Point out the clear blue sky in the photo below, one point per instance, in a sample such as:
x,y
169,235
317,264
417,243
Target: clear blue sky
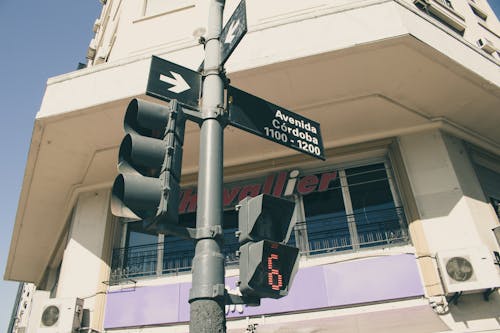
x,y
39,39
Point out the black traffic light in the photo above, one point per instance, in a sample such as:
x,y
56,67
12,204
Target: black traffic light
x,y
267,266
149,164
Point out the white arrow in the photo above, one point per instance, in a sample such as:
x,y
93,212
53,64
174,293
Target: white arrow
x,y
178,82
230,32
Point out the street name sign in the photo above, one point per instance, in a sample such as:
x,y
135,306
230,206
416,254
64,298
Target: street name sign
x,y
168,81
233,31
272,122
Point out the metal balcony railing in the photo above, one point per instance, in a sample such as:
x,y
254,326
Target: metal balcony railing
x,y
318,235
366,228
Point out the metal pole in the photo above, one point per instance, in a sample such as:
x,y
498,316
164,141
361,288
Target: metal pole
x,y
207,291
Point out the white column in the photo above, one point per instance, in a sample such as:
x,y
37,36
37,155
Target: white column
x,y
453,210
82,264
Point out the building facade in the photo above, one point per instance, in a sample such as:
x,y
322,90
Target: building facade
x,y
395,228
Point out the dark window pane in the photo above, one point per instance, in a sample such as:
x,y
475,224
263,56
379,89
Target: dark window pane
x,y
327,228
140,254
188,220
374,214
292,241
137,236
369,188
324,203
177,254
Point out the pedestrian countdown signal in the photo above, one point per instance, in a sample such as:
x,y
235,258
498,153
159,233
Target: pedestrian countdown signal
x,y
267,266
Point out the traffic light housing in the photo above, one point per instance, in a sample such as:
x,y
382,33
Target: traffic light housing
x,y
264,217
149,164
267,265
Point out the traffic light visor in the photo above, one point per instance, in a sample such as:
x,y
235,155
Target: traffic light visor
x,y
146,118
135,196
265,217
141,154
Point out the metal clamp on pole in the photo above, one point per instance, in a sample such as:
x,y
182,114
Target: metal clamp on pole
x,y
211,232
216,70
210,37
207,291
213,113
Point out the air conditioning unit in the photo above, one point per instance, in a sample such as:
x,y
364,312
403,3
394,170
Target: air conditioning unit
x,y
97,25
57,315
423,3
468,270
486,45
92,49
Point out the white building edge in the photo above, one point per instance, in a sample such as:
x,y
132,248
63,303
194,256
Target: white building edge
x,y
408,97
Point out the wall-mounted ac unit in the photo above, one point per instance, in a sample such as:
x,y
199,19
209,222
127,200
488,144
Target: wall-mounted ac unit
x,y
486,45
468,270
57,315
97,25
92,49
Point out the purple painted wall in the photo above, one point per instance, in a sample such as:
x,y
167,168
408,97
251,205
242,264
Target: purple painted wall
x,y
345,283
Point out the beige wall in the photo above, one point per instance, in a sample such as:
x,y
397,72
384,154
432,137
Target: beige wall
x,y
454,212
82,265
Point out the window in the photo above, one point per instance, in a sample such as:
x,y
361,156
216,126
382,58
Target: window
x,y
136,236
138,257
358,210
147,254
338,210
490,182
177,255
326,220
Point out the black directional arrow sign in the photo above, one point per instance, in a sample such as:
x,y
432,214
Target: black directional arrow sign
x,y
272,122
233,31
169,81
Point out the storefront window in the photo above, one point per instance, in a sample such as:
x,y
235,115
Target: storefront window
x,y
374,212
357,210
177,254
340,209
136,236
326,220
138,257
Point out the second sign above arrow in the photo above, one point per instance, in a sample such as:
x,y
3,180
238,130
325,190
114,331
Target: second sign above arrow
x,y
233,31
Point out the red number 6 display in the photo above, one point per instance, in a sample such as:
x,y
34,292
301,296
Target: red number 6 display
x,y
274,278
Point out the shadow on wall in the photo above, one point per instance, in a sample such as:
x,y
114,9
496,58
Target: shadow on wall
x,y
448,176
474,307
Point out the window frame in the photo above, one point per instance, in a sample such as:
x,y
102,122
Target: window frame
x,y
346,194
299,219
